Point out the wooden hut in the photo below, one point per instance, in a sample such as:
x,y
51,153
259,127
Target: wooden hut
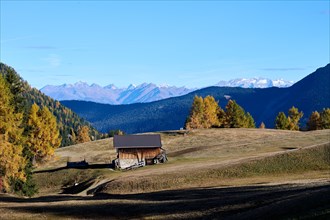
x,y
138,150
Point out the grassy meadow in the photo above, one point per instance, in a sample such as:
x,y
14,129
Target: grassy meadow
x,y
204,166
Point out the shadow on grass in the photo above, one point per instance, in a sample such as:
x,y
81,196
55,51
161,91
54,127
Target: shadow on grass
x,y
288,148
90,166
75,189
253,202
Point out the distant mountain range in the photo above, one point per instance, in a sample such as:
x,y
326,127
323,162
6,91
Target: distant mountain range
x,y
255,83
146,92
309,94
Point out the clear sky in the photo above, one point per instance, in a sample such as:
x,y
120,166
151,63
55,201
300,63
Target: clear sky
x,y
185,43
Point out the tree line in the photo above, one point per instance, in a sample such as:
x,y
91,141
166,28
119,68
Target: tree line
x,y
206,113
316,121
29,134
24,96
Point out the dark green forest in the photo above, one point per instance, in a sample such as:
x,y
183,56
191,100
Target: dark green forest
x,y
310,94
24,96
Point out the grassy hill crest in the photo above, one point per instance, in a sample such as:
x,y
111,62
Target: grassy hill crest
x,y
211,173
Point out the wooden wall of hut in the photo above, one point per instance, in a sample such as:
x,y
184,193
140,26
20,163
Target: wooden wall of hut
x,y
140,153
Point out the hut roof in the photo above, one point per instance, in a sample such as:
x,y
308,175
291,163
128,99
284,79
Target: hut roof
x,y
137,141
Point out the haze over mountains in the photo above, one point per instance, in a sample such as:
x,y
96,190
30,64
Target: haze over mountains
x,y
146,92
309,94
255,83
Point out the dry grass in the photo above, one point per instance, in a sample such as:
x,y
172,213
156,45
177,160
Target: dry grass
x,y
100,152
200,158
283,165
207,144
209,158
246,202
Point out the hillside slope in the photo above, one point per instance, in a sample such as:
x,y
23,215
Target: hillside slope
x,y
211,173
309,94
66,119
203,151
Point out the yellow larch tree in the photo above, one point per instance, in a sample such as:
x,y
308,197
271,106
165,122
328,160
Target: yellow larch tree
x,y
211,109
83,134
195,119
12,162
43,133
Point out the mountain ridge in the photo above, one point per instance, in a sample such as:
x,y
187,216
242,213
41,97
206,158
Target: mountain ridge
x,y
309,94
111,94
145,92
257,82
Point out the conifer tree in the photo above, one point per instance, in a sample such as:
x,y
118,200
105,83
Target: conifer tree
x,y
222,118
294,117
325,118
16,87
43,134
195,119
314,121
281,121
51,133
34,132
235,115
206,113
83,135
211,109
249,121
12,162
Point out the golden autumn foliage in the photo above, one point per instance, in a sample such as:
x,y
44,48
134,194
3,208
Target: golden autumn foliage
x,y
291,122
83,135
25,96
314,121
206,113
318,121
294,117
325,118
12,162
196,114
27,132
43,134
211,109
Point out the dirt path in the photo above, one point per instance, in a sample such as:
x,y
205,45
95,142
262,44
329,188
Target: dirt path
x,y
91,190
291,200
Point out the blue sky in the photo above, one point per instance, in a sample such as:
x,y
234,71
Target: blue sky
x,y
185,43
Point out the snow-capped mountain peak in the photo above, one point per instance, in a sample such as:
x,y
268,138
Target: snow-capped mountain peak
x,y
145,92
255,83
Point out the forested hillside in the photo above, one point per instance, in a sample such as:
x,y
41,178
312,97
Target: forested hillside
x,y
309,94
24,95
